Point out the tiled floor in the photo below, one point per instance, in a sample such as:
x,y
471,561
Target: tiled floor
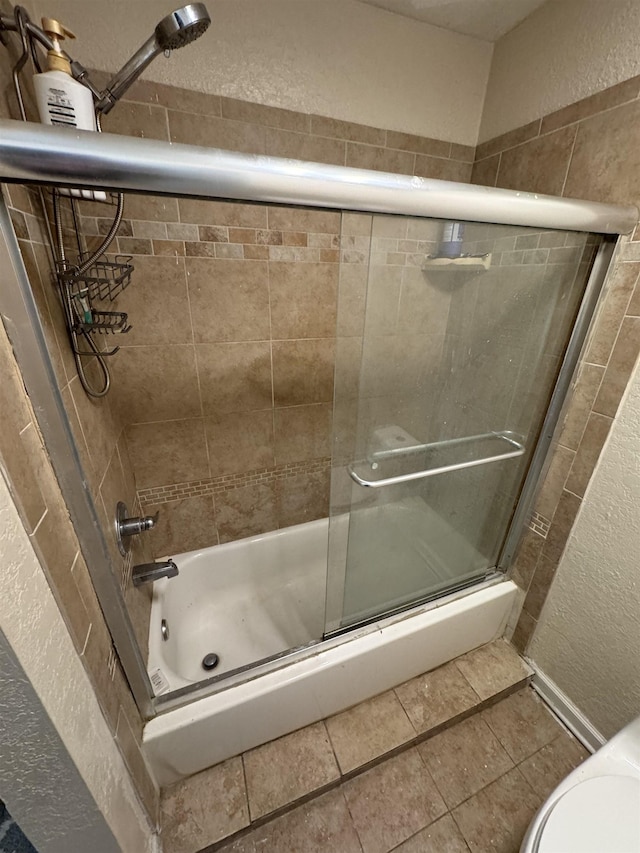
x,y
450,762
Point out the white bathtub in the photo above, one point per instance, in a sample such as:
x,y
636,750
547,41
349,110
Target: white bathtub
x,y
251,599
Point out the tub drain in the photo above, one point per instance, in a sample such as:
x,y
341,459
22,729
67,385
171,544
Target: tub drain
x,y
210,661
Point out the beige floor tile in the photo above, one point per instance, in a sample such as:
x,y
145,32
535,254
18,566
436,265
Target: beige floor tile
x,y
492,668
320,826
436,697
391,802
443,836
204,808
464,759
545,769
369,730
496,819
522,724
288,768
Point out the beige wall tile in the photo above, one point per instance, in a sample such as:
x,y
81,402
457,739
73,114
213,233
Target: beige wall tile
x,y
302,498
246,511
143,120
581,403
302,146
443,170
184,525
526,559
229,300
554,481
539,165
155,383
303,219
598,171
230,214
36,261
303,371
620,367
418,144
156,302
322,126
508,140
302,432
605,100
352,291
262,114
586,458
168,452
239,441
147,91
303,300
235,377
217,133
380,159
99,426
540,584
620,286
145,784
466,153
565,515
485,172
154,208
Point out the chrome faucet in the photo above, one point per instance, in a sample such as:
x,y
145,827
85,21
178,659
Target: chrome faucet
x,y
126,527
149,572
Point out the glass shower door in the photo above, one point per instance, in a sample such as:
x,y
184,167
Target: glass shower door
x,y
442,383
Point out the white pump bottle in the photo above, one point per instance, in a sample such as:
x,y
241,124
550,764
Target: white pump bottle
x,y
61,100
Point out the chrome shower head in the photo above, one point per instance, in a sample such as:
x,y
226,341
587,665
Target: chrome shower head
x,y
174,31
182,26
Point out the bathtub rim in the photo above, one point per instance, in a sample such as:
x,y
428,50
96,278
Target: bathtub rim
x,y
185,696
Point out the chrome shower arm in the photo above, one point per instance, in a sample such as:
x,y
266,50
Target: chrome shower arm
x,y
128,74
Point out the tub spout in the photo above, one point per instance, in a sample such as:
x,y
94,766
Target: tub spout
x,y
149,572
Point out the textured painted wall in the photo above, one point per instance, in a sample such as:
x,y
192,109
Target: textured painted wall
x,y
588,638
33,626
336,58
561,53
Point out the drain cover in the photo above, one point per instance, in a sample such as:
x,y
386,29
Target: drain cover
x,y
210,661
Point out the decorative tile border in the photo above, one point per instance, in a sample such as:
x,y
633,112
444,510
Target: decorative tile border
x,y
218,485
539,524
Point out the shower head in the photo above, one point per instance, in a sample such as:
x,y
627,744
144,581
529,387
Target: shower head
x,y
182,26
174,31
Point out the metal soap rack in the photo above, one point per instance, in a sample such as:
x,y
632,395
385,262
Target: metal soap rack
x,y
104,279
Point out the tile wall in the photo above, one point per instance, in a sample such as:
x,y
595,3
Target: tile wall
x,y
234,309
586,150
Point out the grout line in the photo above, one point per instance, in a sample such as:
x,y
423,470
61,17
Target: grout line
x,y
482,705
566,174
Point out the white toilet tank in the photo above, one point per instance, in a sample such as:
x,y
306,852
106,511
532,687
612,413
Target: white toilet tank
x,y
596,809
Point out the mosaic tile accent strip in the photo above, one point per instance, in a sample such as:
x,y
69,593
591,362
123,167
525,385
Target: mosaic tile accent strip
x,y
218,485
539,524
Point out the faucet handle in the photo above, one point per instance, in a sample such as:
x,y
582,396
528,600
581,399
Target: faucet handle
x,y
126,526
